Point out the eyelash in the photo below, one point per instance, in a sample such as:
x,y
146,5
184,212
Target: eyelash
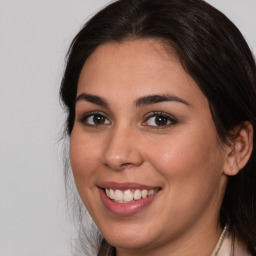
x,y
91,115
168,118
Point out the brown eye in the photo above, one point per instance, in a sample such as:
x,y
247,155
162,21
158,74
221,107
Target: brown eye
x,y
95,120
98,119
160,120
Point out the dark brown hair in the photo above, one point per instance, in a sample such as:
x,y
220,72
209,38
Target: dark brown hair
x,y
214,53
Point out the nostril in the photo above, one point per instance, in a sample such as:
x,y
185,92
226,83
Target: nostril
x,y
124,165
121,166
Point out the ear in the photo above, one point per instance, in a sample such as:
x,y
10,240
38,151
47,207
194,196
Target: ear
x,y
240,149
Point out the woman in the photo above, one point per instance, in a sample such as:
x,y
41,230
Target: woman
x,y
161,113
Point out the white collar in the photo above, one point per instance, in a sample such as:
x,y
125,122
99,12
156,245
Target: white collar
x,y
226,247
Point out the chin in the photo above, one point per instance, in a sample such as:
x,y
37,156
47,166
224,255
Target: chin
x,y
129,243
130,238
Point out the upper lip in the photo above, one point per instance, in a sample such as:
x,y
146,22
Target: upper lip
x,y
125,185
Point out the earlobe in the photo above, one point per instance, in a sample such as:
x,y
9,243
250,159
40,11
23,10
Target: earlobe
x,y
240,149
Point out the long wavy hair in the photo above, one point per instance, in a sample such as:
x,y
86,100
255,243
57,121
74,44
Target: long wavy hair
x,y
213,52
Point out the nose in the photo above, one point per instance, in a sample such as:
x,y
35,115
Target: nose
x,y
122,149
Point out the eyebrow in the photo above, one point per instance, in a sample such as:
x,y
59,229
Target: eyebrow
x,y
140,102
92,99
156,98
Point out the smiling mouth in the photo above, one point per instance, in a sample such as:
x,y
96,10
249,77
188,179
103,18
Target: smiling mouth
x,y
129,195
128,198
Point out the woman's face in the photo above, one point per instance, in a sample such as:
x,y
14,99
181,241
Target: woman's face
x,y
144,136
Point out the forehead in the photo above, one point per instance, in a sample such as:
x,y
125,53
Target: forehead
x,y
138,55
136,68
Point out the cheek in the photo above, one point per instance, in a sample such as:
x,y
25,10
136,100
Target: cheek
x,y
180,155
192,160
191,169
84,157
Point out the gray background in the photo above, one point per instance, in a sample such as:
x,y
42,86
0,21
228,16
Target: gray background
x,y
34,37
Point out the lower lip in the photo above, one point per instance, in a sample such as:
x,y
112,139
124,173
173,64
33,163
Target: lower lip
x,y
125,209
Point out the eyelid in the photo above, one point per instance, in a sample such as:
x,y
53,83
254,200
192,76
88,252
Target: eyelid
x,y
92,113
170,117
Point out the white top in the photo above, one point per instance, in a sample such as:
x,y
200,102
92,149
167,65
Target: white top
x,y
226,248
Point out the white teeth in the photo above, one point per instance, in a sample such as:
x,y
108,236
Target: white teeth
x,y
144,193
107,192
128,195
112,194
119,195
150,192
137,194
